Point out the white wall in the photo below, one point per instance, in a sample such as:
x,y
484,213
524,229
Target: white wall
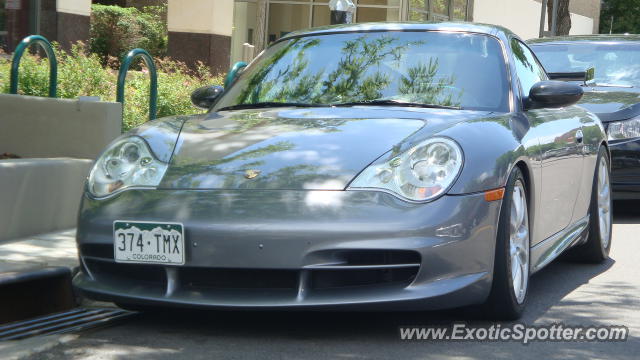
x,y
40,195
581,25
58,140
522,17
79,7
201,16
38,127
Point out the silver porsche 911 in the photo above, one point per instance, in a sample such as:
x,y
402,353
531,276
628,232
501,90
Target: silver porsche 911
x,y
373,166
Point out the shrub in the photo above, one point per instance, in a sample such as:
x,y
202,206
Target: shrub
x,y
175,84
116,30
81,74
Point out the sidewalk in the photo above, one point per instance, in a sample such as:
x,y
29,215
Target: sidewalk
x,y
32,254
52,249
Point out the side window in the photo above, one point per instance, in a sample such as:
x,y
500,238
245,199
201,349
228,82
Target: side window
x,y
527,67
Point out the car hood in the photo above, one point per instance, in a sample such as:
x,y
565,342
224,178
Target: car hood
x,y
294,148
612,103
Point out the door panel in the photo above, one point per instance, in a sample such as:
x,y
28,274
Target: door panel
x,y
560,154
590,146
562,167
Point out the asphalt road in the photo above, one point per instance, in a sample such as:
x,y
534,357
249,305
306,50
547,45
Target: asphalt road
x,y
575,294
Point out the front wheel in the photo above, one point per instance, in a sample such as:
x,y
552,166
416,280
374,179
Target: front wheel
x,y
511,265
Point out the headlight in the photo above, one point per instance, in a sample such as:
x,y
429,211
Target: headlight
x,y
126,163
422,173
627,129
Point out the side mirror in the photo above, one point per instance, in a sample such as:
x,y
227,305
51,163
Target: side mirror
x,y
553,94
585,76
206,96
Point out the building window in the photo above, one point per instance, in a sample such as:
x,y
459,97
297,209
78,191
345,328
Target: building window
x,y
377,10
290,15
419,10
285,16
438,10
460,9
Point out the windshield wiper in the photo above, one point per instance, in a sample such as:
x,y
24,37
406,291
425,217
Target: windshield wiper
x,y
269,104
391,102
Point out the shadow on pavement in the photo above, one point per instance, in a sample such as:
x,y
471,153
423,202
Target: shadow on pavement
x,y
626,212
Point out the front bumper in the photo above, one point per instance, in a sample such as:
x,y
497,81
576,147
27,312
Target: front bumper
x,y
625,164
296,249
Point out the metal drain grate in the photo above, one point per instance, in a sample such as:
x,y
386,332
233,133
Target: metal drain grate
x,y
60,323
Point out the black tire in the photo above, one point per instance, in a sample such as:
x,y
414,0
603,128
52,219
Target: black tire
x,y
502,303
594,250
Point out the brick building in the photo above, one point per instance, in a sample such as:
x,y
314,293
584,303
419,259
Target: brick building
x,y
215,31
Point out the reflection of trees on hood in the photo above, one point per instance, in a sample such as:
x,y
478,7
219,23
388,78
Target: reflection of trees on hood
x,y
251,119
324,124
281,178
253,153
626,98
182,172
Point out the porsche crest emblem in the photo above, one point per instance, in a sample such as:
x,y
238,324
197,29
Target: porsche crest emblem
x,y
251,174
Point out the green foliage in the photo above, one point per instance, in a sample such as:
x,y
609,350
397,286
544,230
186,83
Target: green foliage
x,y
624,14
82,74
115,30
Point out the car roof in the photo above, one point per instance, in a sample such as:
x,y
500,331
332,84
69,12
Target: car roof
x,y
607,38
494,30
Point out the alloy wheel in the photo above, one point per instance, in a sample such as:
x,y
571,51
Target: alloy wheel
x,y
519,242
604,203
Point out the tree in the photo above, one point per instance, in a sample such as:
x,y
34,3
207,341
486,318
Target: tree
x,y
564,17
620,16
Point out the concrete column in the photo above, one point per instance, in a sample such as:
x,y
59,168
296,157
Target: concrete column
x,y
261,20
200,30
73,21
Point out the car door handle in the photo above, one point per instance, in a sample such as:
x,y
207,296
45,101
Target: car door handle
x,y
579,136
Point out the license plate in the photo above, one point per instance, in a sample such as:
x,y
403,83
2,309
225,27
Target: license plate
x,y
148,242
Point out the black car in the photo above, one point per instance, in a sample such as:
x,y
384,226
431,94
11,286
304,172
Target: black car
x,y
613,94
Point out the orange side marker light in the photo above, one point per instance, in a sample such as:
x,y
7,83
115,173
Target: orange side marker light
x,y
493,195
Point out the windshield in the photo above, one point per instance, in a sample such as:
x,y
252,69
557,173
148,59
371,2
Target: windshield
x,y
457,70
615,64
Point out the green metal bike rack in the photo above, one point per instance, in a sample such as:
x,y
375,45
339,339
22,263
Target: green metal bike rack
x,y
231,76
17,56
122,76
